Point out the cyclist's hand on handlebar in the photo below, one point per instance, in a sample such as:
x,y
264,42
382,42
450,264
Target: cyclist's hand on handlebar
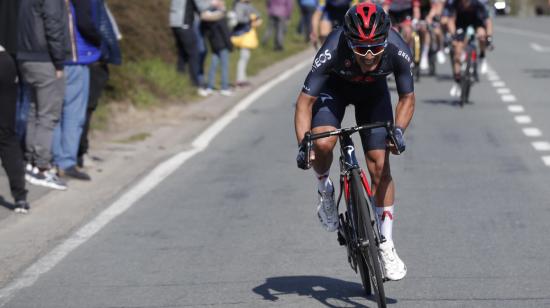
x,y
399,147
301,158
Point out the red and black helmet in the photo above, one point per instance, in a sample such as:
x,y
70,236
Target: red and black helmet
x,y
366,23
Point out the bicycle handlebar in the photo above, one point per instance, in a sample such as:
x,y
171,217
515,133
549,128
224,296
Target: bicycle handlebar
x,y
309,137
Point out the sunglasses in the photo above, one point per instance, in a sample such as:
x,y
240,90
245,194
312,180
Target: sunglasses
x,y
363,50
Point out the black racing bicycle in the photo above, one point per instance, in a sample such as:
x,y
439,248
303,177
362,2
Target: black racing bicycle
x,y
468,65
358,230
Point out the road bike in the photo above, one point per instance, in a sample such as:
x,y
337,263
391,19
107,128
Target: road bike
x,y
358,230
468,65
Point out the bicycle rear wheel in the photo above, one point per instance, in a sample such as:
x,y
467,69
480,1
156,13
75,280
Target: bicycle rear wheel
x,y
466,81
369,264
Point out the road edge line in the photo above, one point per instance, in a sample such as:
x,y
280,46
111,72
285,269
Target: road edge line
x,y
29,276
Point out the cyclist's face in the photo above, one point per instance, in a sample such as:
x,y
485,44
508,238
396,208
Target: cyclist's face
x,y
369,59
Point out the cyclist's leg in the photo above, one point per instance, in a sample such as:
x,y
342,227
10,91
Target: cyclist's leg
x,y
328,112
379,108
481,34
458,46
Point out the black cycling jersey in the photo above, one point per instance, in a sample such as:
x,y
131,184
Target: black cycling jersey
x,y
474,15
335,10
336,59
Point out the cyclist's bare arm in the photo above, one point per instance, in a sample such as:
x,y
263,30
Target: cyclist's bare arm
x,y
404,110
489,26
416,12
303,114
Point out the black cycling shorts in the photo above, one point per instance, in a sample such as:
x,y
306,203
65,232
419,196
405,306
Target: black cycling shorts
x,y
372,104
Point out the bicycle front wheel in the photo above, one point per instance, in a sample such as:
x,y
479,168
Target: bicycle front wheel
x,y
466,81
368,251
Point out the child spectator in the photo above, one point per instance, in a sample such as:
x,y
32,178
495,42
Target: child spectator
x,y
244,36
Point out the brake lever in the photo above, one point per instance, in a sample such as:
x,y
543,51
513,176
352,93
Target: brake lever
x,y
389,129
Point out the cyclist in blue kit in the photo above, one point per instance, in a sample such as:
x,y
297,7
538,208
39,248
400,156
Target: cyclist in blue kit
x,y
351,68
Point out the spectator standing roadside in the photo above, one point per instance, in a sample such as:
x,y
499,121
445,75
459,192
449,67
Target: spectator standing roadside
x,y
279,14
217,34
182,16
307,8
99,71
85,43
41,52
10,151
244,36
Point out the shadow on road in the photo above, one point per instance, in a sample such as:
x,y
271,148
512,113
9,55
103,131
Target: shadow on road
x,y
449,102
538,73
323,289
6,204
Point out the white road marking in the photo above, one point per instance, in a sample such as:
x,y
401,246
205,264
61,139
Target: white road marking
x,y
492,77
516,108
541,145
127,200
503,91
546,160
532,132
499,84
523,119
538,48
532,34
508,98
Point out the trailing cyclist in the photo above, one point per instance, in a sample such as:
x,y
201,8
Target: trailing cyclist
x,y
459,15
404,15
351,68
328,15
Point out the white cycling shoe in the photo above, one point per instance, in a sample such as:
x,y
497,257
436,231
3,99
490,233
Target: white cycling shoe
x,y
327,211
394,268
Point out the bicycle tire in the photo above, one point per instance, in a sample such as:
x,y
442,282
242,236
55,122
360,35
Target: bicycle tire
x,y
466,81
366,232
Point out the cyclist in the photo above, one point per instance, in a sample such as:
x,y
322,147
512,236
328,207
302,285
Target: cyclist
x,y
328,15
430,11
351,68
404,14
461,14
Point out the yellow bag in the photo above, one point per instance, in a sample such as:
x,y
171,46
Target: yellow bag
x,y
247,40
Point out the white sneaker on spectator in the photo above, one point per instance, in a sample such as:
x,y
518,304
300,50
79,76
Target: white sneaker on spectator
x,y
47,179
204,92
441,57
29,172
394,268
226,92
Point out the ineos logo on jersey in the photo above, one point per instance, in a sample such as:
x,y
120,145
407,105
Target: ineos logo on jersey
x,y
404,55
322,58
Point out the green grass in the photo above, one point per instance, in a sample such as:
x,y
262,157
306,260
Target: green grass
x,y
135,138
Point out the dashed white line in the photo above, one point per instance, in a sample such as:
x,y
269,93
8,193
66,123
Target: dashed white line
x,y
493,78
503,91
509,98
546,160
541,145
532,132
523,119
516,108
538,48
499,84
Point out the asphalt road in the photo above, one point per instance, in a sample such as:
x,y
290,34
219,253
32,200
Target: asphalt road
x,y
236,224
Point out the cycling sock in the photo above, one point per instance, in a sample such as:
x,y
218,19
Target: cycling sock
x,y
325,184
425,50
385,219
